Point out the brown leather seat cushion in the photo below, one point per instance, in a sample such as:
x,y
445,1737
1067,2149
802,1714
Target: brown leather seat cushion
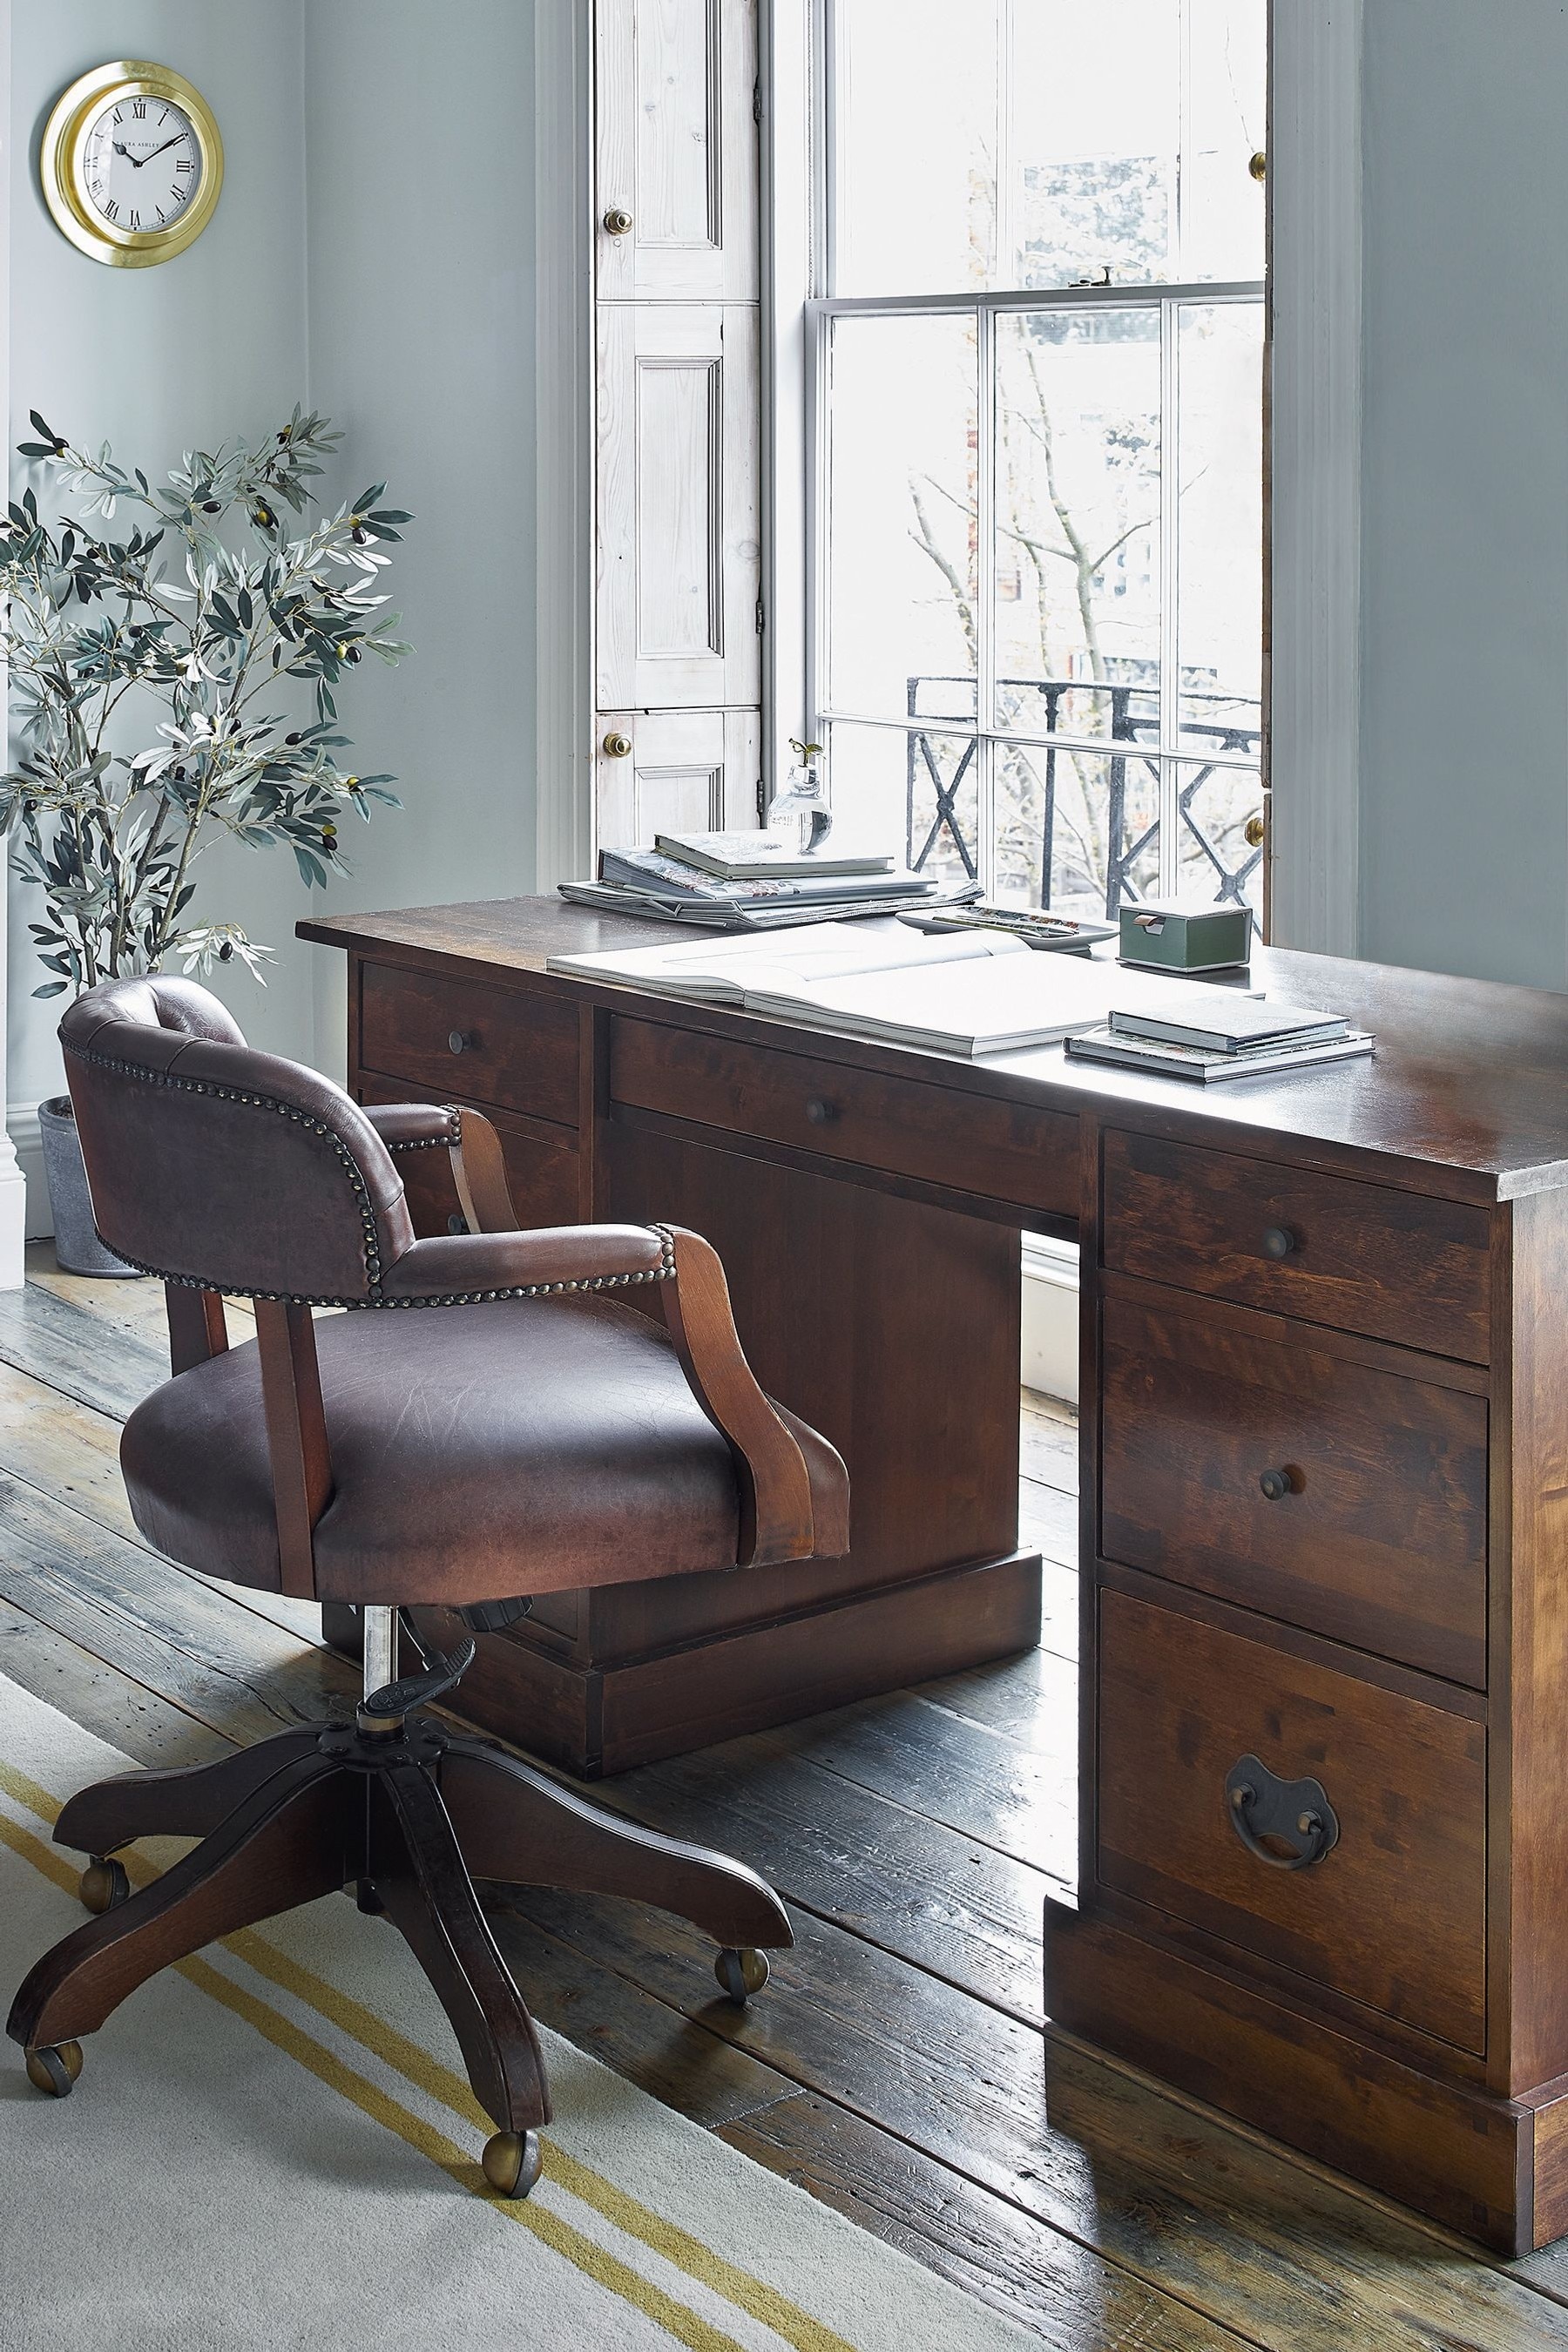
x,y
479,1454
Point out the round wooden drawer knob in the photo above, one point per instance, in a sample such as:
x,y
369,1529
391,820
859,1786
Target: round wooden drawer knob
x,y
460,1041
821,1112
1276,1484
1279,1241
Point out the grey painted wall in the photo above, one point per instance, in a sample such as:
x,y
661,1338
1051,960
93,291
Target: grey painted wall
x,y
1464,770
373,253
154,360
419,129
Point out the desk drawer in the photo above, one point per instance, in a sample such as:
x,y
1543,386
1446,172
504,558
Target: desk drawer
x,y
1357,1257
541,1166
1395,1915
514,1048
974,1144
1380,1537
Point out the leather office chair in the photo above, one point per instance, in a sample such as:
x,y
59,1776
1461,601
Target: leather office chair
x,y
532,1431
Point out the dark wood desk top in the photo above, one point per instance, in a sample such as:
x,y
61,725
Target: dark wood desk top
x,y
1469,1084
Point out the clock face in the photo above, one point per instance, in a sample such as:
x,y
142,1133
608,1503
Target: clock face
x,y
141,164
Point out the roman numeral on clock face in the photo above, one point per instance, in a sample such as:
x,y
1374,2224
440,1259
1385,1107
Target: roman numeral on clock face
x,y
138,109
111,210
186,163
135,220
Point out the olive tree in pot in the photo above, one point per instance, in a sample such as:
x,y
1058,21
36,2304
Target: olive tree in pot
x,y
216,631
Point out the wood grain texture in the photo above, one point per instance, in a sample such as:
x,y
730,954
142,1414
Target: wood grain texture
x,y
1139,2220
918,1130
1358,1257
520,1052
1380,1538
1468,1094
678,549
1395,1914
540,1160
676,146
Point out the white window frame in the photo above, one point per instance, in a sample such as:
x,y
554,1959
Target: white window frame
x,y
1313,517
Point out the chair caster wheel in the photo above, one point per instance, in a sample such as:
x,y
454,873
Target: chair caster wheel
x,y
104,1884
54,2068
740,1973
512,2162
368,1900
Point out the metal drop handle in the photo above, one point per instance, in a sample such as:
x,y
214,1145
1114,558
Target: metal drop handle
x,y
1296,1814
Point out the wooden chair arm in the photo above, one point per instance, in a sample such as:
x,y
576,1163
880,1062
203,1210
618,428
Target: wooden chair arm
x,y
479,1169
775,1484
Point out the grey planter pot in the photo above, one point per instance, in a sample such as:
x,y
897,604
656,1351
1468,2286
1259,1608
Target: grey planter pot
x,y
78,1249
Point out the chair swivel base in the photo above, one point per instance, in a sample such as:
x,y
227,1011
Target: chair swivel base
x,y
410,1815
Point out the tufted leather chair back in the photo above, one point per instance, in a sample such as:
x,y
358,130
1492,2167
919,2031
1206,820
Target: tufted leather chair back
x,y
214,1165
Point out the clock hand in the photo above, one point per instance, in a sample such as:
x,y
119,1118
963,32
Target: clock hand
x,y
158,151
135,162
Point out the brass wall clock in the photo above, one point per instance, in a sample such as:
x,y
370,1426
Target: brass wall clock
x,y
130,163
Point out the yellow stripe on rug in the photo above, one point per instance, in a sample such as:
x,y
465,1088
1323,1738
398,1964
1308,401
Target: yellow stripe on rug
x,y
442,2084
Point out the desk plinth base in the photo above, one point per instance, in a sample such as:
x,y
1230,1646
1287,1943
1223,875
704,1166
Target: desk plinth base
x,y
1492,2168
596,1717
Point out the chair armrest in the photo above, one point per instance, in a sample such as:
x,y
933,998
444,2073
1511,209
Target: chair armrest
x,y
454,1269
775,1486
478,1169
457,1269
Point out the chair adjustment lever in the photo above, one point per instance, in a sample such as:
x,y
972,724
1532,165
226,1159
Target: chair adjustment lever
x,y
444,1670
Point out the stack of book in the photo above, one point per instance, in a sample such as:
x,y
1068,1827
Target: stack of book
x,y
1239,1037
755,881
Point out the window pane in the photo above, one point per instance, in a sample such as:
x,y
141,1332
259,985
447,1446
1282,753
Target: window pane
x,y
914,109
1034,142
917,793
1212,858
1094,116
902,518
1078,536
1076,831
1222,203
1219,591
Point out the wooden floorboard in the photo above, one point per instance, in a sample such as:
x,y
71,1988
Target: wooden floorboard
x,y
895,2065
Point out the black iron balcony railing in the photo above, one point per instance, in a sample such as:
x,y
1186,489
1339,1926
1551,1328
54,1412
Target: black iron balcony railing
x,y
1134,726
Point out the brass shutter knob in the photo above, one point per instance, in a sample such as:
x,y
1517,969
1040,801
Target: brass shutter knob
x,y
1257,164
1252,832
617,746
617,221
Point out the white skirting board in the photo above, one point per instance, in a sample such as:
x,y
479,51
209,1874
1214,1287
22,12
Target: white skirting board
x,y
1050,1359
21,1128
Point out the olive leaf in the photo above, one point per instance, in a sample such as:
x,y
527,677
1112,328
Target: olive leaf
x,y
96,629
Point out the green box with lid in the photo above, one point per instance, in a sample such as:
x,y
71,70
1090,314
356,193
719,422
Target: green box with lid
x,y
1186,935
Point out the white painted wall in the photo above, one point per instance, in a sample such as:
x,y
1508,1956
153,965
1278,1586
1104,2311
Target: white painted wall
x,y
1464,473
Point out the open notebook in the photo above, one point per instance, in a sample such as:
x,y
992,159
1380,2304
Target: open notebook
x,y
970,993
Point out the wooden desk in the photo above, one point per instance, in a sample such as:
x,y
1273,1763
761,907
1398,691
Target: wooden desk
x,y
1324,1489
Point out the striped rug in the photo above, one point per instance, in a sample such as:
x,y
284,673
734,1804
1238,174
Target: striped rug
x,y
270,2146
